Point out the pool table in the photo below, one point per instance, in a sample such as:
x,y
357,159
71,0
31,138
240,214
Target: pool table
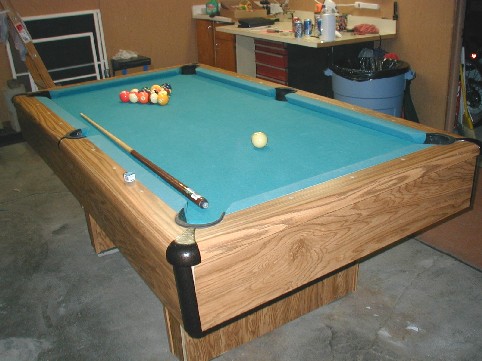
x,y
286,224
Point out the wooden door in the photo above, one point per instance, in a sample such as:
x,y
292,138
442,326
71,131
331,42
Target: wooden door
x,y
205,42
225,51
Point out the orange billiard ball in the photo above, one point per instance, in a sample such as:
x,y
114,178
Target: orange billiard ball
x,y
143,97
156,88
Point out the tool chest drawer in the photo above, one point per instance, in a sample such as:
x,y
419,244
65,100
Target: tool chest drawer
x,y
271,61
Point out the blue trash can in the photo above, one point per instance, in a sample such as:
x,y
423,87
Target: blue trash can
x,y
381,89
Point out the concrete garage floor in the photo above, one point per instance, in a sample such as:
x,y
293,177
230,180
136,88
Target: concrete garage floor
x,y
60,301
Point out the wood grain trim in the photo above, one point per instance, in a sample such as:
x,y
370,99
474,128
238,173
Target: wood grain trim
x,y
261,321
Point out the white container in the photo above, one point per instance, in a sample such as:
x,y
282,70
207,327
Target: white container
x,y
329,27
198,10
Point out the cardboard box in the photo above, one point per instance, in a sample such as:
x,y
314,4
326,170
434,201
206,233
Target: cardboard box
x,y
229,9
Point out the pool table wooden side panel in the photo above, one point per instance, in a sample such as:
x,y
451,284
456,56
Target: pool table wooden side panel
x,y
261,321
271,249
129,216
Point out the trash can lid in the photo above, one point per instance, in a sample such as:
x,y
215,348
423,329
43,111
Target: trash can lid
x,y
365,68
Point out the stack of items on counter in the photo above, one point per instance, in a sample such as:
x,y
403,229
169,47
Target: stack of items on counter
x,y
328,23
325,25
241,9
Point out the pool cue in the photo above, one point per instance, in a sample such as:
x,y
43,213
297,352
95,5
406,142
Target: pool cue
x,y
178,185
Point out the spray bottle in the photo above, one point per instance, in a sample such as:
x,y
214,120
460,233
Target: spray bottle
x,y
330,7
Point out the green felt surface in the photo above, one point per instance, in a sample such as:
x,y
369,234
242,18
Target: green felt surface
x,y
202,137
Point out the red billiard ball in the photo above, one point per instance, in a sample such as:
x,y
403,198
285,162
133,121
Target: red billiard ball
x,y
143,97
124,96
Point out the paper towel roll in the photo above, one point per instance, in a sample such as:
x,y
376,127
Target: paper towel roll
x,y
329,27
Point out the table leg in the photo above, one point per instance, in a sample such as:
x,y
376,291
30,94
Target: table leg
x,y
261,321
100,241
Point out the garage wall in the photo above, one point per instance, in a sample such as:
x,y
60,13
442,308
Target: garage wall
x,y
426,41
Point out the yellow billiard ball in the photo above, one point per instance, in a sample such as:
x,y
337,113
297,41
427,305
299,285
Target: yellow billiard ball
x,y
259,139
162,98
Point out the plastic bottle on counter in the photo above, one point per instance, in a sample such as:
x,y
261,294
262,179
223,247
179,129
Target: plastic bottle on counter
x,y
329,25
212,8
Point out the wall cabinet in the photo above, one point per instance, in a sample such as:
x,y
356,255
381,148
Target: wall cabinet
x,y
215,48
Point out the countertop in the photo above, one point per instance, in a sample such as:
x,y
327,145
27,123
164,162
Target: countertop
x,y
284,34
221,19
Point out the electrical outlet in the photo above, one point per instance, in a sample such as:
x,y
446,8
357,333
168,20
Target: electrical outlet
x,y
362,5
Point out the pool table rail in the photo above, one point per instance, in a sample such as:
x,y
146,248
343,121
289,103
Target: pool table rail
x,y
114,211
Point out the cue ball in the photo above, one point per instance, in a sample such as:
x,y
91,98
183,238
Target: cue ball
x,y
259,139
